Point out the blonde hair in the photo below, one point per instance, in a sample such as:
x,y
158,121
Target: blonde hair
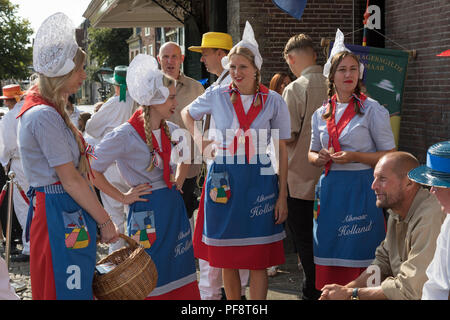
x,y
335,61
51,89
167,82
248,54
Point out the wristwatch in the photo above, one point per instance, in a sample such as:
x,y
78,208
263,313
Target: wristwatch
x,y
355,294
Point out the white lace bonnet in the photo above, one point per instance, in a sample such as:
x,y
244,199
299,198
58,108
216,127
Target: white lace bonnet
x,y
145,81
339,46
248,41
55,46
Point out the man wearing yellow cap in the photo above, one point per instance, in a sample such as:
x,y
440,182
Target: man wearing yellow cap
x,y
9,153
215,46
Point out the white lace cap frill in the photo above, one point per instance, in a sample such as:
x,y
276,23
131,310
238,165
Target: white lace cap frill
x,y
55,46
339,46
145,81
248,41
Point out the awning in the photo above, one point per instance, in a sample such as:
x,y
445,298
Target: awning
x,y
136,13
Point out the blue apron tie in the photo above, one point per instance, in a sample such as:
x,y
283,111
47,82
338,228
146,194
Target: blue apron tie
x,y
30,194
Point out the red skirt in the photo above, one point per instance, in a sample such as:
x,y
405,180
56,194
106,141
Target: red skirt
x,y
335,275
41,264
253,257
187,292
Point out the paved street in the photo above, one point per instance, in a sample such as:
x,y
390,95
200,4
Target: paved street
x,y
284,286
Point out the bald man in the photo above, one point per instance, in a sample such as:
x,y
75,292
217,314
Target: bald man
x,y
415,219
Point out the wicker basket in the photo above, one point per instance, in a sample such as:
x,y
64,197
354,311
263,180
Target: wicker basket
x,y
133,278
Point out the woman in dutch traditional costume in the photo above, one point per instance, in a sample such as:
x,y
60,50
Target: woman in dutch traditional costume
x,y
349,134
63,225
142,149
244,202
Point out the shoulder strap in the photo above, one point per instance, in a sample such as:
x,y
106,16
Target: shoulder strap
x,y
224,76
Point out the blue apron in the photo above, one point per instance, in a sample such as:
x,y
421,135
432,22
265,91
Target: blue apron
x,y
162,228
349,227
72,234
240,204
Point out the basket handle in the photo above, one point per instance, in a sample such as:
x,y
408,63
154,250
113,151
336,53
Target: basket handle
x,y
131,242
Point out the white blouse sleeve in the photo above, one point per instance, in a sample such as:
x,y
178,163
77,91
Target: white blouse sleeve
x,y
315,144
380,128
111,148
202,105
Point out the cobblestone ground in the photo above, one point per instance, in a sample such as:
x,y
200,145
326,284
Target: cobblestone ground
x,y
19,272
284,286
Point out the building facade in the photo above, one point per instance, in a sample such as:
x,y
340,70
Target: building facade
x,y
423,26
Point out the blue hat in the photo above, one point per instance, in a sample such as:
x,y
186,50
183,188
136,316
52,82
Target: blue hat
x,y
437,170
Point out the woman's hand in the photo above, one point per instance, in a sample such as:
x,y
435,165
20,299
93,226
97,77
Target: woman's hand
x,y
134,194
323,156
281,210
109,232
179,183
209,149
342,157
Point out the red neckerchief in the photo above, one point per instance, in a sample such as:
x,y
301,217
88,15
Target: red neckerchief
x,y
246,120
32,99
334,131
137,121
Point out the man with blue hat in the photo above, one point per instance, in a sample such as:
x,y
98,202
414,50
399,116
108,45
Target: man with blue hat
x,y
415,219
436,173
117,110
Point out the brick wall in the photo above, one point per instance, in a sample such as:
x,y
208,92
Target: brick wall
x,y
273,27
423,26
415,25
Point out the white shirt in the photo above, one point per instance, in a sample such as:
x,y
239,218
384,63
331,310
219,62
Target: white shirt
x,y
438,272
367,132
126,147
340,108
74,116
8,135
111,115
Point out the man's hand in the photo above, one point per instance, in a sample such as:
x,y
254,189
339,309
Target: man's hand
x,y
335,292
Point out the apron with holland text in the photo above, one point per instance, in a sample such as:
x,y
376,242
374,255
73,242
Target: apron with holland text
x,y
239,197
162,228
348,226
247,215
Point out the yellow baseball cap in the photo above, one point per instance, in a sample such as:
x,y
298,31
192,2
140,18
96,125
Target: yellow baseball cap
x,y
214,40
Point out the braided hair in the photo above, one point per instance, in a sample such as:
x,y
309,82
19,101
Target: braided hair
x,y
167,82
330,81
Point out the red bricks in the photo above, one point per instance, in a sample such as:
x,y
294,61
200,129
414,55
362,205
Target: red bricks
x,y
420,25
423,26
